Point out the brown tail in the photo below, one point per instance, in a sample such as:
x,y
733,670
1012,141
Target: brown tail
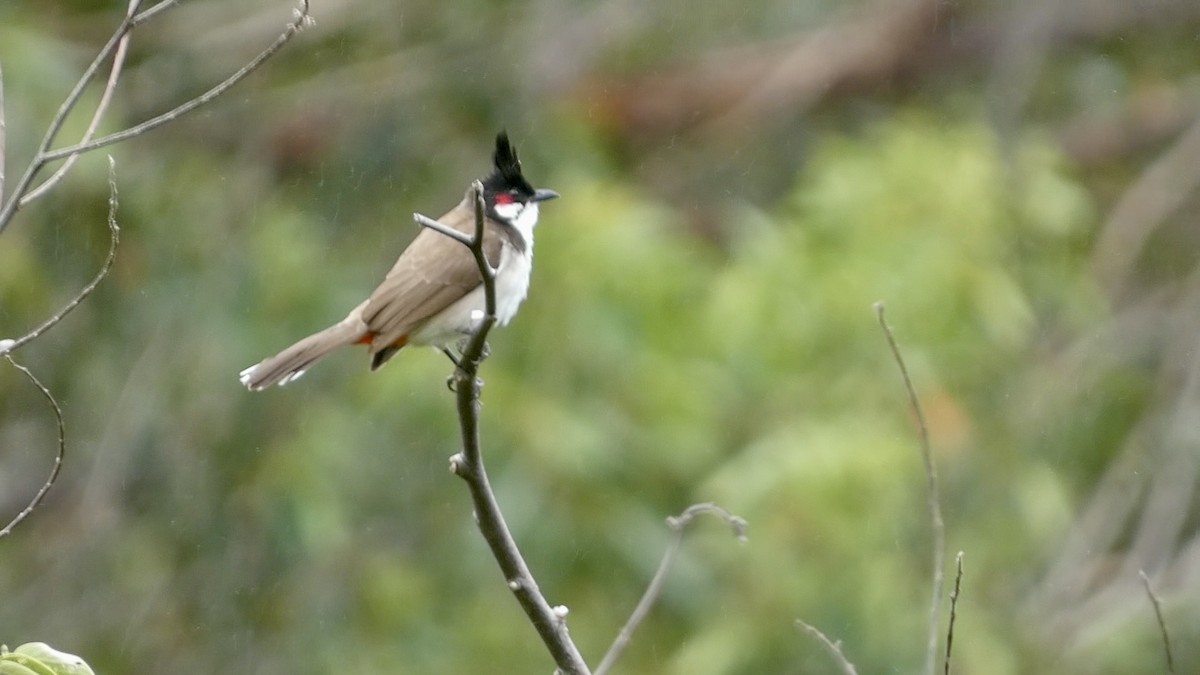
x,y
289,364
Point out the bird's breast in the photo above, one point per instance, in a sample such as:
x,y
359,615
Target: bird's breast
x,y
512,280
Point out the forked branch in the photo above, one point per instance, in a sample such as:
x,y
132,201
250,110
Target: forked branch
x,y
550,622
678,525
23,194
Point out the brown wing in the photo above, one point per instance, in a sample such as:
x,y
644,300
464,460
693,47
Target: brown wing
x,y
417,287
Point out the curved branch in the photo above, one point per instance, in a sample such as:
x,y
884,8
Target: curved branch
x,y
834,648
678,525
114,239
1158,616
548,621
933,501
58,458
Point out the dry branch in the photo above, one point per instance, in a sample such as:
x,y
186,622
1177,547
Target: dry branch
x,y
958,575
1158,616
58,457
548,621
22,194
933,500
678,525
834,648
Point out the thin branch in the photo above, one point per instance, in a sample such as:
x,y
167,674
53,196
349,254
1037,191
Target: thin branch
x,y
834,648
58,458
114,238
114,74
678,525
2,135
302,20
548,621
150,13
933,501
427,222
1158,615
44,155
958,575
7,209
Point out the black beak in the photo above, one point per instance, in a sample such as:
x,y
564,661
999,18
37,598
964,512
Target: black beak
x,y
544,195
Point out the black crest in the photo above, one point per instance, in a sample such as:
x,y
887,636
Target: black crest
x,y
507,174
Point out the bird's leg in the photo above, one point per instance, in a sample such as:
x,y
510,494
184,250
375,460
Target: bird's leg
x,y
452,379
453,359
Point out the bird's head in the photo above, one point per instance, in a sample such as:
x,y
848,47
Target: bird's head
x,y
506,193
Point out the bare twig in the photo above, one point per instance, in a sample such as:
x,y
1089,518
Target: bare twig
x,y
148,14
958,575
58,458
114,74
835,648
302,20
7,209
933,501
114,238
2,135
678,525
548,621
1158,615
44,155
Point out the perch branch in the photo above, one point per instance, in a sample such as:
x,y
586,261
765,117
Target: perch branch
x,y
114,238
958,575
58,458
678,525
1162,623
933,501
834,648
548,621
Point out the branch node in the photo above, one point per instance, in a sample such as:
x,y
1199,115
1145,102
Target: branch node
x,y
514,585
458,465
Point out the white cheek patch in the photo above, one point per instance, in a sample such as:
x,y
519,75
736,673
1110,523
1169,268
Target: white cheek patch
x,y
509,211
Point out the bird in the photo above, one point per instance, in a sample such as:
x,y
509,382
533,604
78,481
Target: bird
x,y
434,294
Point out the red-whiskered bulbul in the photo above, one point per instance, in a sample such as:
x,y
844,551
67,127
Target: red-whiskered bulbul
x,y
434,293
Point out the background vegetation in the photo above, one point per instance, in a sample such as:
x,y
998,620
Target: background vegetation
x,y
740,181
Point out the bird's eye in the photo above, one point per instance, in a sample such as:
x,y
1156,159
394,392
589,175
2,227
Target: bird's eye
x,y
504,198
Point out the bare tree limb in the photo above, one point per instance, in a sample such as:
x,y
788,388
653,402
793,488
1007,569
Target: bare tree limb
x,y
1162,624
933,500
834,648
105,98
58,458
548,621
958,575
678,525
114,238
44,155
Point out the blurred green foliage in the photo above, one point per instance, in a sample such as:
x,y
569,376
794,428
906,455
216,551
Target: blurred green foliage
x,y
316,529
